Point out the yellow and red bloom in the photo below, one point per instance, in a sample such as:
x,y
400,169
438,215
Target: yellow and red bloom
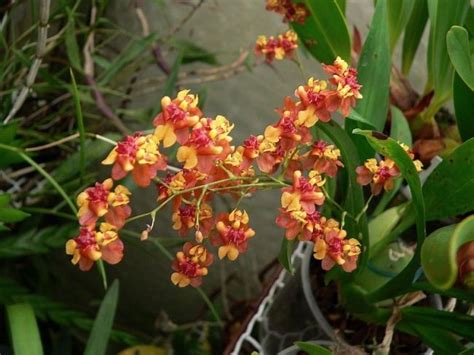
x,y
176,118
190,265
91,246
184,219
93,202
207,142
324,157
232,234
347,89
277,48
380,175
118,210
138,154
291,11
334,249
304,194
313,102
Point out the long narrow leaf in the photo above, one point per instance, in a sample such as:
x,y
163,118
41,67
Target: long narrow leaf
x,y
99,337
399,12
325,32
459,52
463,98
24,330
413,32
80,125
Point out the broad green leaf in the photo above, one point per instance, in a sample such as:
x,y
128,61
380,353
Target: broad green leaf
x,y
388,147
469,21
12,215
130,53
460,294
413,32
353,115
374,70
24,329
324,32
443,14
284,257
443,244
460,55
449,190
313,349
381,226
463,98
460,324
100,333
342,5
441,341
399,12
400,130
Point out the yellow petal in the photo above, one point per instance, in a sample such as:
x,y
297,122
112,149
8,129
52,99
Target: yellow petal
x,y
110,158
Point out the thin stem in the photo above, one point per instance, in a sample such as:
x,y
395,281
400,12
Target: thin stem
x,y
44,173
211,306
361,213
334,203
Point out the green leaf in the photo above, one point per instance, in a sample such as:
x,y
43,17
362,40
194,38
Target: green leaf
x,y
24,329
388,147
313,349
443,15
324,32
460,324
443,244
4,199
463,98
374,70
449,190
460,55
284,257
353,115
129,54
72,47
399,12
413,32
441,341
99,336
458,293
170,83
194,53
80,125
12,215
400,130
342,5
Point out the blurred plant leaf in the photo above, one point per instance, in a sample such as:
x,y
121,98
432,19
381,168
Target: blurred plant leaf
x,y
313,349
463,98
443,14
469,21
72,48
34,241
449,190
342,5
129,54
99,336
358,118
443,244
399,12
413,32
24,329
80,126
460,55
194,53
144,350
12,215
284,257
441,341
170,83
4,199
324,32
460,324
388,147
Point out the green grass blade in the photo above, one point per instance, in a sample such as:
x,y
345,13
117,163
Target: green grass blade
x,y
413,32
463,98
99,336
80,125
24,330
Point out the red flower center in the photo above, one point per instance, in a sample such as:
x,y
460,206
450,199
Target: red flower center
x,y
251,142
175,113
304,185
188,268
335,246
128,146
97,193
187,211
200,138
236,236
85,239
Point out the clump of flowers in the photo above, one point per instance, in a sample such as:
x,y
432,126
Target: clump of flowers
x,y
291,11
382,174
279,48
283,157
